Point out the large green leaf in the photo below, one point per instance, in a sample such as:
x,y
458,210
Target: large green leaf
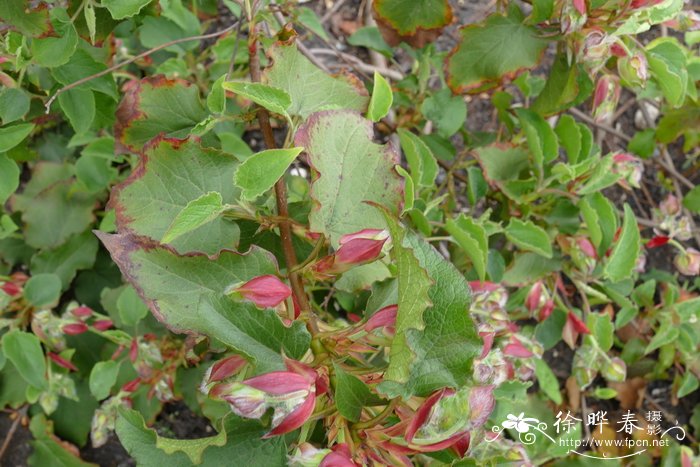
x,y
20,15
11,136
82,64
120,9
170,175
52,209
239,443
23,349
499,48
349,171
309,87
157,105
55,50
414,21
187,293
435,339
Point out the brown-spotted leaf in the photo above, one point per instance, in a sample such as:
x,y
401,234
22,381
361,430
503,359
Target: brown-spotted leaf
x,y
187,293
170,174
157,106
349,171
416,22
310,88
497,49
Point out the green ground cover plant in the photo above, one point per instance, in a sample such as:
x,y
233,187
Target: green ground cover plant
x,y
348,233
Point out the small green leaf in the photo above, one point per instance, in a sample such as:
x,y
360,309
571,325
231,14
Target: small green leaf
x,y
691,200
43,290
23,349
371,38
79,107
689,384
120,9
409,189
56,50
448,112
382,97
626,251
541,139
195,214
65,261
102,377
529,236
472,238
90,20
351,395
421,161
604,393
130,307
9,177
273,99
216,100
570,137
260,172
11,136
602,328
547,380
14,104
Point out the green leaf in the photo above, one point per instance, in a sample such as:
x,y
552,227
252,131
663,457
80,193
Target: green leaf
x,y
216,100
187,293
79,107
259,172
120,9
667,64
273,99
541,139
309,88
14,104
472,238
195,214
570,137
54,51
43,290
157,105
501,47
677,122
601,220
310,20
624,255
90,20
448,112
502,163
351,395
643,143
102,377
82,64
424,167
602,328
547,380
409,189
47,450
688,384
171,175
11,136
130,307
52,209
435,339
528,267
414,21
691,200
30,20
382,97
23,349
341,153
9,177
371,38
65,261
238,443
568,85
529,236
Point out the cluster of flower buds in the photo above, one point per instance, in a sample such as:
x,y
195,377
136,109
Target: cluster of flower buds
x,y
290,394
574,16
633,69
688,262
264,291
13,287
605,97
539,302
629,167
354,249
145,355
672,221
105,418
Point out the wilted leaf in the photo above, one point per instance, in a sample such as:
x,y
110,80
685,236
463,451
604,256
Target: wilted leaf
x,y
120,9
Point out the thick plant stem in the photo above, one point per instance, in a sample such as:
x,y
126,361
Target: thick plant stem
x,y
290,257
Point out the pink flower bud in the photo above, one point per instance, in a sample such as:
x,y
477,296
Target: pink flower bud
x,y
355,249
580,6
532,301
515,348
82,312
62,362
644,3
132,385
225,368
546,310
587,247
264,291
11,289
73,329
386,318
134,350
487,334
631,168
339,456
688,263
103,324
577,323
605,97
670,206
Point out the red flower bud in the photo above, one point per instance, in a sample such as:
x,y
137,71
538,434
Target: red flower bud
x,y
11,289
134,350
355,249
225,368
605,98
132,385
580,6
264,291
340,456
577,323
532,301
546,310
515,348
73,329
103,324
386,317
62,362
657,241
82,312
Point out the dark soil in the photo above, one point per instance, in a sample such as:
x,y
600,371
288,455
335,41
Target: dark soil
x,y
19,448
111,454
